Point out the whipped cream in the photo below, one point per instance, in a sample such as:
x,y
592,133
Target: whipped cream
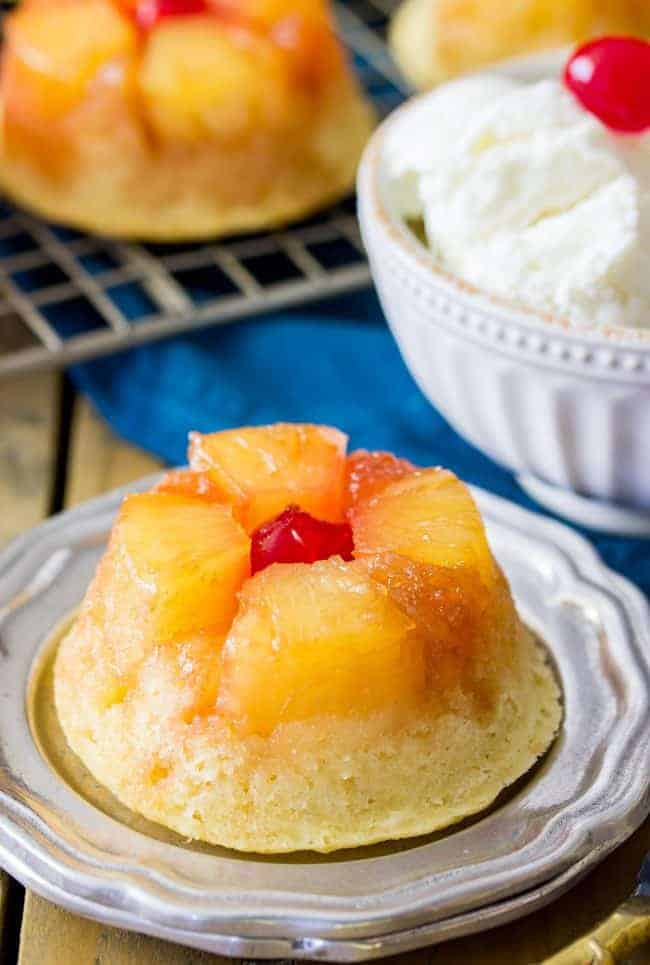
x,y
526,195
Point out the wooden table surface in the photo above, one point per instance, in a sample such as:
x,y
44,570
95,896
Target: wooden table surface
x,y
54,452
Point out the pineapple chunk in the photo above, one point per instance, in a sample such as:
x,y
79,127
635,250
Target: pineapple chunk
x,y
53,52
428,517
320,638
450,607
186,482
201,76
177,565
367,473
303,31
268,12
262,470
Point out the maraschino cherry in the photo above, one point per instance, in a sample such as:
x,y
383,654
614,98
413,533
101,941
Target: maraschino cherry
x,y
296,537
149,12
611,79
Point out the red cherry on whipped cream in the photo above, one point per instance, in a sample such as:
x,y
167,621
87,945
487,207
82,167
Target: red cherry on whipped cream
x,y
149,12
611,79
297,537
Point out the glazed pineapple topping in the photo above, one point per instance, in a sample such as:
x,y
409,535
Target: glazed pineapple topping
x,y
399,586
296,537
179,59
611,79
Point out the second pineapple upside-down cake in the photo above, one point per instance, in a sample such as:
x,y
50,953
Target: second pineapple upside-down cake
x,y
177,119
286,648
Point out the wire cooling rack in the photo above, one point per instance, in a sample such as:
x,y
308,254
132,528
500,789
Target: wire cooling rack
x,y
67,296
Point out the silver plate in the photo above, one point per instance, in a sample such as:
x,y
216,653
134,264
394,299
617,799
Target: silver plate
x,y
590,793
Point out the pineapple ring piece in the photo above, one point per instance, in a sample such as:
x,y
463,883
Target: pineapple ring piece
x,y
313,705
166,120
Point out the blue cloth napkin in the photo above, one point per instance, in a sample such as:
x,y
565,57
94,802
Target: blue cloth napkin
x,y
333,362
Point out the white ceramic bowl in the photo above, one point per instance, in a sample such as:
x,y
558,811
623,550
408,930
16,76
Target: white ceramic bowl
x,y
566,409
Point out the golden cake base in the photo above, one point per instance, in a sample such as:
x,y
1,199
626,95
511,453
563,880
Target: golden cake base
x,y
52,743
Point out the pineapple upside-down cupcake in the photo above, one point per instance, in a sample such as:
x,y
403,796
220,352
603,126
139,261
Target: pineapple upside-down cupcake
x,y
177,119
286,648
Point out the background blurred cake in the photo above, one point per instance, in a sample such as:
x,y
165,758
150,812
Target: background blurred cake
x,y
317,692
434,40
172,119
